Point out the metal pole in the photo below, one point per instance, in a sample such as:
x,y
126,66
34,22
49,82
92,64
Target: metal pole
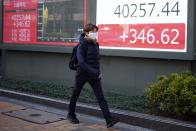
x,y
1,41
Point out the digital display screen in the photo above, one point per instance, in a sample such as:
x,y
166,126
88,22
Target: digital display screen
x,y
50,22
151,25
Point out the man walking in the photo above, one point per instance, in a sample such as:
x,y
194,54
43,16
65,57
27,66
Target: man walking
x,y
88,70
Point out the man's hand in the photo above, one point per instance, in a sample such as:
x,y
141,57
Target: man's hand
x,y
100,76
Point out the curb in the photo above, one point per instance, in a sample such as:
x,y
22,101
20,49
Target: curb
x,y
133,118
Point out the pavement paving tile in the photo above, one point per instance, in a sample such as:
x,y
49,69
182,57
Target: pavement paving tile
x,y
87,123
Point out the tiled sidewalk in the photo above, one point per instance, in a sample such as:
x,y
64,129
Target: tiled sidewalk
x,y
88,123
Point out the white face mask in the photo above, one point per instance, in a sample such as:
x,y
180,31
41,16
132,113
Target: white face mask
x,y
92,35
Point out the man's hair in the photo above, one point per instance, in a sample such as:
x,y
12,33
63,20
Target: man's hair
x,y
90,27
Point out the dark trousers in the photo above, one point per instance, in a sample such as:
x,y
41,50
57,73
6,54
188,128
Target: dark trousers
x,y
80,80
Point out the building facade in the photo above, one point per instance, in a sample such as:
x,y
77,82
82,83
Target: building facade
x,y
139,39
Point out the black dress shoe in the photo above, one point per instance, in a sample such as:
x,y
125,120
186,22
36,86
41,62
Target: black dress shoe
x,y
73,119
112,121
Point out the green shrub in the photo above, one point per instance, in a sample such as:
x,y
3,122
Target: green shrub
x,y
173,94
63,92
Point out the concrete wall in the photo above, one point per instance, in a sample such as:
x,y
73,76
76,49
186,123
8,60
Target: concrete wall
x,y
120,74
194,67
